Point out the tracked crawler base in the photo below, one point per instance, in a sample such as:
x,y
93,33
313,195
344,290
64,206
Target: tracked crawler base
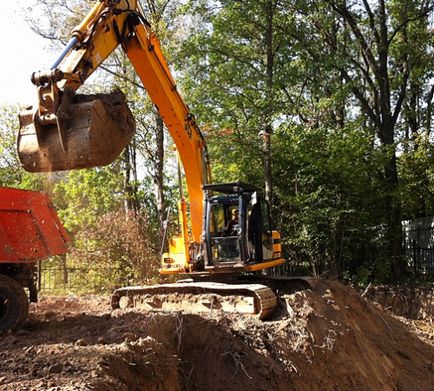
x,y
252,295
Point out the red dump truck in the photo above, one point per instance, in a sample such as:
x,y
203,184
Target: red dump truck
x,y
30,230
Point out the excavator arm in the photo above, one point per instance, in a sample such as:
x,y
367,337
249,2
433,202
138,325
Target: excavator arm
x,y
67,131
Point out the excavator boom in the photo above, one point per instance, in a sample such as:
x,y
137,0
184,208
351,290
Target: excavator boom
x,y
68,131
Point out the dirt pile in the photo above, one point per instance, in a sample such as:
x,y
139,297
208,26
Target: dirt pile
x,y
326,339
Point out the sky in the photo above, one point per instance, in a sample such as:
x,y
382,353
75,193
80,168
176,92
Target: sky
x,y
22,53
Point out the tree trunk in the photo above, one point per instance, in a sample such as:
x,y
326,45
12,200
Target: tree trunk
x,y
373,44
393,205
158,172
129,186
269,104
429,110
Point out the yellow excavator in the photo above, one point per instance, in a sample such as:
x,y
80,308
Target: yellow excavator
x,y
226,241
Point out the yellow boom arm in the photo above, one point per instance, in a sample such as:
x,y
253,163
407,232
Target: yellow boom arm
x,y
109,24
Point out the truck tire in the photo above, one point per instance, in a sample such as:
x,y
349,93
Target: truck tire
x,y
14,304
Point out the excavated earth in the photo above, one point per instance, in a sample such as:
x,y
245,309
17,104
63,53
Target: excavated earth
x,y
330,338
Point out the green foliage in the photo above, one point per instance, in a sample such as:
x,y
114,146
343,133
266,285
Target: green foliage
x,y
83,196
326,184
114,248
11,173
121,248
235,86
338,201
417,181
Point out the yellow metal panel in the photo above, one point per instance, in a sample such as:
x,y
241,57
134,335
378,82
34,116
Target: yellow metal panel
x,y
170,271
275,235
277,246
99,46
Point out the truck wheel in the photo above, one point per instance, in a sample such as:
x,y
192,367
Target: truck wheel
x,y
14,304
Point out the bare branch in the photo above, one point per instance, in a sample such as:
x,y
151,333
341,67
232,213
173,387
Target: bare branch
x,y
123,77
363,101
349,18
372,21
401,96
429,102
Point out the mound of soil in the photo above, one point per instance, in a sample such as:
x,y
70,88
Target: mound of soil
x,y
326,339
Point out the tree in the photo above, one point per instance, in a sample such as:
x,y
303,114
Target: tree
x,y
11,173
375,66
239,53
336,66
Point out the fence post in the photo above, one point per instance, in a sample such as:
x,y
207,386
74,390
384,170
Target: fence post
x,y
415,260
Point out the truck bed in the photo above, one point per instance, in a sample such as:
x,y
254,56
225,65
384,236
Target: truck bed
x,y
30,229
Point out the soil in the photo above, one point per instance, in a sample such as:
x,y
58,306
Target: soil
x,y
114,103
330,338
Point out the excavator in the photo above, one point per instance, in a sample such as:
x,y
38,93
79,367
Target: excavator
x,y
226,241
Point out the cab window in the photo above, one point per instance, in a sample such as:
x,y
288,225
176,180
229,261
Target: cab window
x,y
217,220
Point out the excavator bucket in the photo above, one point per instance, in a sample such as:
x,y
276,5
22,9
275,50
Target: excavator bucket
x,y
87,131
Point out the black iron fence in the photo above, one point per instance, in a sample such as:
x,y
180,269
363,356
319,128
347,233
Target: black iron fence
x,y
419,249
422,260
419,245
60,279
293,269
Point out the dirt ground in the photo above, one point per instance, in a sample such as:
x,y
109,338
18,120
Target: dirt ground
x,y
326,339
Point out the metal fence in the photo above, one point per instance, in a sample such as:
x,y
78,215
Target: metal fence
x,y
55,278
59,279
293,269
419,246
420,257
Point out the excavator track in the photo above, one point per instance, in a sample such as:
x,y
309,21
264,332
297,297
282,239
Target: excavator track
x,y
235,296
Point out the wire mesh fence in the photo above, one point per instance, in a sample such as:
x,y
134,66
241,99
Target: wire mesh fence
x,y
56,278
60,279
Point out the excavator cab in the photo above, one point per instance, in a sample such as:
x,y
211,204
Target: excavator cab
x,y
238,233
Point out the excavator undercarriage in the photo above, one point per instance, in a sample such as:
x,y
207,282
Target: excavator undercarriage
x,y
246,294
224,274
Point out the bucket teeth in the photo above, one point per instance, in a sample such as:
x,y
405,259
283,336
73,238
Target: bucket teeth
x,y
89,131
